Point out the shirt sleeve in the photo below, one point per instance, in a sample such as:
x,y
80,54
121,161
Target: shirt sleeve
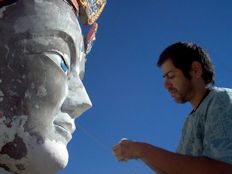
x,y
218,129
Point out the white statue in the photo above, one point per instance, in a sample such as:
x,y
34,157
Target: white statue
x,y
42,62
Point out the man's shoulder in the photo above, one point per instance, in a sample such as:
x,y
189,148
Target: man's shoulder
x,y
220,96
220,89
221,92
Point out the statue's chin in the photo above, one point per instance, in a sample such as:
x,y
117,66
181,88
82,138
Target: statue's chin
x,y
48,158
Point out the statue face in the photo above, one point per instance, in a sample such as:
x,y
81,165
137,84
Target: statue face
x,y
41,92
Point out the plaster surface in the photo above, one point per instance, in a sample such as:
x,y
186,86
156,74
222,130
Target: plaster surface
x,y
42,62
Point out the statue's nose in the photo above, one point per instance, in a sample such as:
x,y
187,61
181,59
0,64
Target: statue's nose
x,y
77,100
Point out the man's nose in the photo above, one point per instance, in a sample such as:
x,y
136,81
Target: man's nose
x,y
167,83
77,100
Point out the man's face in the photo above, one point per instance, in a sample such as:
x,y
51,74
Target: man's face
x,y
176,83
41,92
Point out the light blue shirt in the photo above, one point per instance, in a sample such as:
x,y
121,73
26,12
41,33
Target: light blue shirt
x,y
208,131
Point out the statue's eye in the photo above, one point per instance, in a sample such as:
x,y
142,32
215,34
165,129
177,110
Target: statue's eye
x,y
59,60
64,66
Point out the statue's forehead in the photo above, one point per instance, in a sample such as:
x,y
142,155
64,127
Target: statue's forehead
x,y
49,25
57,14
46,17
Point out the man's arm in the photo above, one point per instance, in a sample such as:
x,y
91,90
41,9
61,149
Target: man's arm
x,y
169,162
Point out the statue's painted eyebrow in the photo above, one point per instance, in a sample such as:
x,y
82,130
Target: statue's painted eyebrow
x,y
71,57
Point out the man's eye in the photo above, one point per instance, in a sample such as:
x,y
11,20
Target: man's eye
x,y
59,60
170,76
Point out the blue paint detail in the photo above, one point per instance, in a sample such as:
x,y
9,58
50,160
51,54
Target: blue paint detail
x,y
64,66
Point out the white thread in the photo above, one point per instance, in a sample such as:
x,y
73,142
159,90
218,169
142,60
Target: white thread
x,y
102,145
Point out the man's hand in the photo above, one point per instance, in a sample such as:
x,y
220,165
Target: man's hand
x,y
126,150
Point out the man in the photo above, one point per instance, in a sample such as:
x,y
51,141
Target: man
x,y
206,143
42,62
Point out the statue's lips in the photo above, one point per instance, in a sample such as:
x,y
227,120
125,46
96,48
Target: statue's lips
x,y
64,124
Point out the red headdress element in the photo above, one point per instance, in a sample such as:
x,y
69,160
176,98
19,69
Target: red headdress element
x,y
90,38
90,10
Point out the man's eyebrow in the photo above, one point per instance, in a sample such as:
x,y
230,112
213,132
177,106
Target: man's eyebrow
x,y
165,75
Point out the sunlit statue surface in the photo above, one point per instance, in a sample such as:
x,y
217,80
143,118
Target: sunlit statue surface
x,y
42,62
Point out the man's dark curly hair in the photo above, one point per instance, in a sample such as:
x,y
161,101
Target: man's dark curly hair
x,y
183,54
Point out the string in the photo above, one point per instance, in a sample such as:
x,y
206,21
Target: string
x,y
101,145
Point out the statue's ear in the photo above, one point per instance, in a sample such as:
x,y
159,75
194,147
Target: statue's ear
x,y
6,2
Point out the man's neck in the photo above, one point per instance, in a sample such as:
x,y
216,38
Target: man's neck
x,y
198,97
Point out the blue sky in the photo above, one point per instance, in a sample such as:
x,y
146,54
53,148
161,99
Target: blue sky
x,y
126,87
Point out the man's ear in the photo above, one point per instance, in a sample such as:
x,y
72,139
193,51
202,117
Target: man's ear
x,y
196,69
